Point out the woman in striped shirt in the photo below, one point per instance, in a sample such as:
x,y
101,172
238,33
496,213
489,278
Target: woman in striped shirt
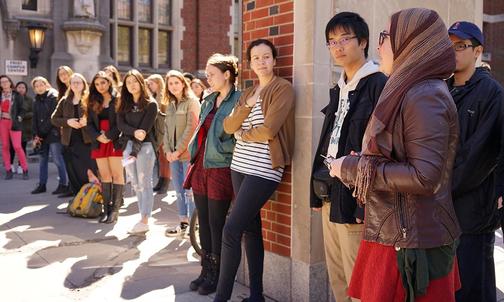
x,y
263,125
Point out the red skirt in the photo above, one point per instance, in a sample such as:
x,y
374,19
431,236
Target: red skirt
x,y
105,150
376,278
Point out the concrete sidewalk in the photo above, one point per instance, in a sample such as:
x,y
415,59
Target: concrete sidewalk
x,y
48,256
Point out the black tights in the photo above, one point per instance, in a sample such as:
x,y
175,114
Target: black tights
x,y
212,216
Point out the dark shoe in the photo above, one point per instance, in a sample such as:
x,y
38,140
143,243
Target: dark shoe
x,y
39,189
210,284
117,197
68,193
165,186
205,267
25,175
107,201
159,184
258,300
8,175
60,189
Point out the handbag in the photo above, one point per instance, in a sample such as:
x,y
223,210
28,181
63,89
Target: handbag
x,y
322,182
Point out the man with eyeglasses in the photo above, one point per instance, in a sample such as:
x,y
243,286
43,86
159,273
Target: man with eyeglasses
x,y
478,182
351,103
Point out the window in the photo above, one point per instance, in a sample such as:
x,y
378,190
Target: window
x,y
29,5
144,47
123,45
164,48
124,9
164,11
144,10
140,34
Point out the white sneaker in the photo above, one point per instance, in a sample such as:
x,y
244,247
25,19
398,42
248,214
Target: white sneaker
x,y
139,228
13,169
19,170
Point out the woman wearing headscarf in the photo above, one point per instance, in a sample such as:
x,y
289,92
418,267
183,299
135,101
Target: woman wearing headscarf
x,y
403,174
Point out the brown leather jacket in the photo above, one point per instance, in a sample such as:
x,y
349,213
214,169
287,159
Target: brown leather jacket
x,y
410,203
63,112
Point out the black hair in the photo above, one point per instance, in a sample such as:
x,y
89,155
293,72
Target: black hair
x,y
189,76
22,83
259,42
475,42
350,22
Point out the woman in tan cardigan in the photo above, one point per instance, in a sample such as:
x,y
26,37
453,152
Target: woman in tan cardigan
x,y
263,125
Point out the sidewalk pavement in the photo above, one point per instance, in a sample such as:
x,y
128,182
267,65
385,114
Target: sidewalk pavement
x,y
49,256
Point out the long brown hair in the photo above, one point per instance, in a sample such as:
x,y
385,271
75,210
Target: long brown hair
x,y
95,99
126,100
62,87
186,92
116,77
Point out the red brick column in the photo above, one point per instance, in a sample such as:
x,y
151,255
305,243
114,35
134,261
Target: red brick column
x,y
207,24
494,44
273,20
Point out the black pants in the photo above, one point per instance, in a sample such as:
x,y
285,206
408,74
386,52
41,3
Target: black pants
x,y
78,160
212,217
13,152
251,193
477,268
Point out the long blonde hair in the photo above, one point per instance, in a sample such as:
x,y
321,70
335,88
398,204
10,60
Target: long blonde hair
x,y
85,92
158,79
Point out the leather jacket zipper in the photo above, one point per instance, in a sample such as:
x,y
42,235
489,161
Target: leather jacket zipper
x,y
402,220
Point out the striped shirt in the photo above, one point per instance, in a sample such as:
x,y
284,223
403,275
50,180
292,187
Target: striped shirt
x,y
254,158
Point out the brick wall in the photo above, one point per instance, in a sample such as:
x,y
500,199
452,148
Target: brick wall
x,y
273,20
494,44
205,33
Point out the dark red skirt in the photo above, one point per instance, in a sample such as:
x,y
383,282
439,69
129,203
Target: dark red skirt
x,y
214,182
105,150
376,278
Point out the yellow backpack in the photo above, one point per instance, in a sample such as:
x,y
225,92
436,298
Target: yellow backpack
x,y
87,203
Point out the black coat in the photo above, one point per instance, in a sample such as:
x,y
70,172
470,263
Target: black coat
x,y
16,111
478,177
43,108
93,126
363,99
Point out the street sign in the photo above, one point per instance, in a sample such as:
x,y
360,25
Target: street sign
x,y
16,67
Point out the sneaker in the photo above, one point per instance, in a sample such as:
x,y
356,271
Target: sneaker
x,y
179,230
13,169
39,189
19,170
8,174
25,175
139,229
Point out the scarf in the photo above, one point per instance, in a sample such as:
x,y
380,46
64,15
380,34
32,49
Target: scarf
x,y
422,50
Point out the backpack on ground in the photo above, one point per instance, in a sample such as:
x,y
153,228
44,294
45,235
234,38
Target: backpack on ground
x,y
87,203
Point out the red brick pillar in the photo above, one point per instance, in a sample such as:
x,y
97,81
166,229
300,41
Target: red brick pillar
x,y
273,20
207,25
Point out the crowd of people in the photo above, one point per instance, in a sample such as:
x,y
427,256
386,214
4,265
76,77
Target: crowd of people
x,y
408,172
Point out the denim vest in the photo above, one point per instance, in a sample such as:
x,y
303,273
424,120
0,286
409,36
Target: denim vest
x,y
219,145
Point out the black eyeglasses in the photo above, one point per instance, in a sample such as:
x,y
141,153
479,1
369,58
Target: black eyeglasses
x,y
383,34
462,46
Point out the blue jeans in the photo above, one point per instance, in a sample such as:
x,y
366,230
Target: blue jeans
x,y
185,202
140,174
56,150
476,268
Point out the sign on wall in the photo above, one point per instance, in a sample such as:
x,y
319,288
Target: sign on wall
x,y
16,67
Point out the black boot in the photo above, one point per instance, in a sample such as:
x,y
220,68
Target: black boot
x,y
60,189
164,187
115,204
41,188
205,267
210,284
159,184
107,196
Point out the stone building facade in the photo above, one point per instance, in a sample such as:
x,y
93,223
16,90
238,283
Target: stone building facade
x,y
153,36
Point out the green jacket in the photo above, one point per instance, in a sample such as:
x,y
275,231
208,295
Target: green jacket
x,y
219,145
